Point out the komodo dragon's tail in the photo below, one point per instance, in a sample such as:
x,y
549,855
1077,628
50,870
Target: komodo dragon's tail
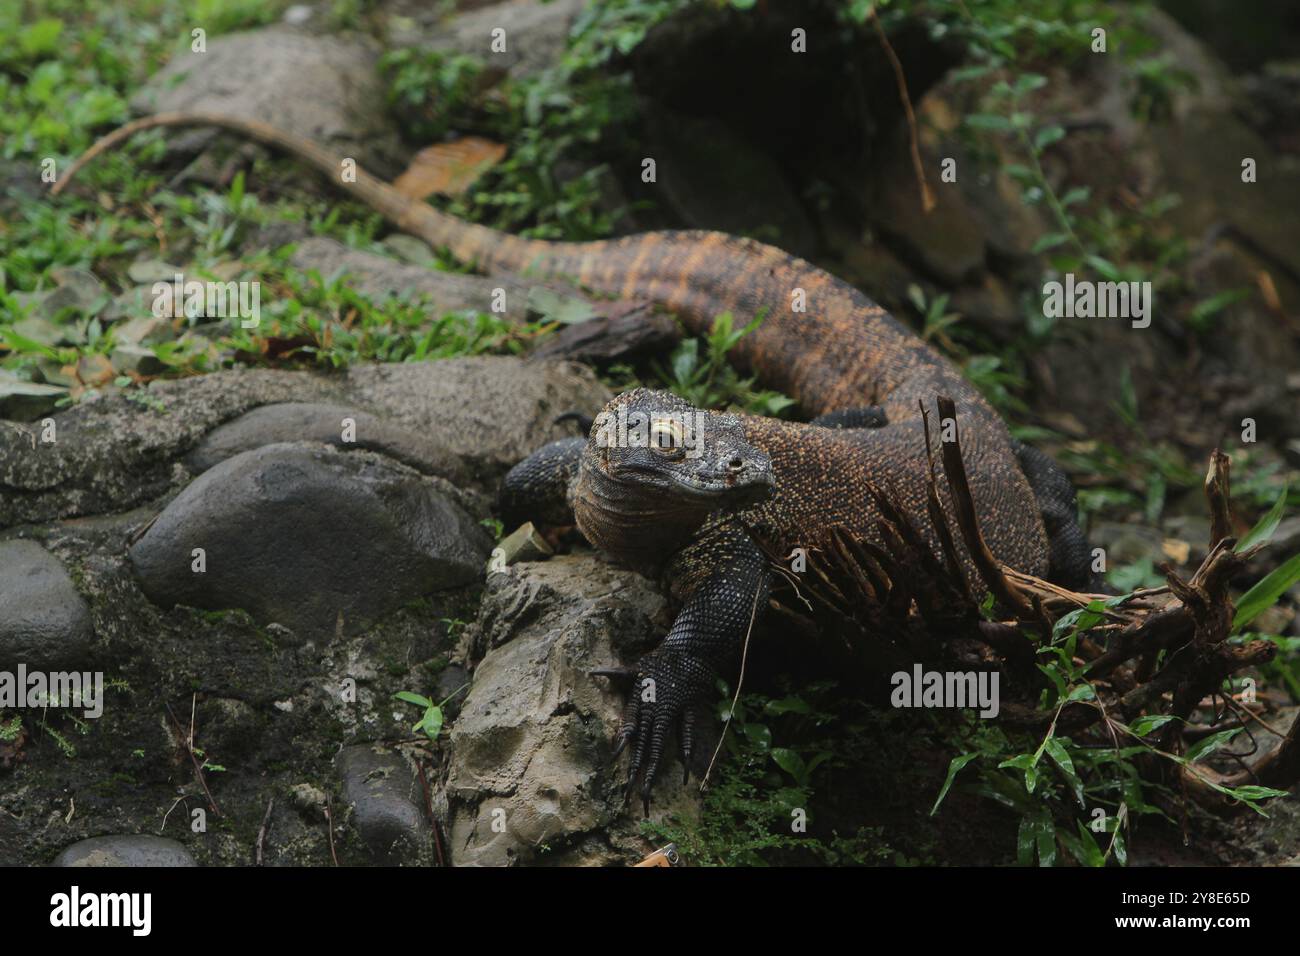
x,y
823,342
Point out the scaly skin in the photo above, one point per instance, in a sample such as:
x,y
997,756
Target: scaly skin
x,y
822,342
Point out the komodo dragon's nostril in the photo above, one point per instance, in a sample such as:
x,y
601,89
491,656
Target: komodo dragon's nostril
x,y
736,464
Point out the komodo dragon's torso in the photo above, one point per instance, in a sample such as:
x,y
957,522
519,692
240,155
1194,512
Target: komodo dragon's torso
x,y
822,342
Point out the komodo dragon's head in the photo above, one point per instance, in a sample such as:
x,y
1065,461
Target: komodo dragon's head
x,y
656,468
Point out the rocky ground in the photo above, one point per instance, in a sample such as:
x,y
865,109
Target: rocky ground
x,y
259,560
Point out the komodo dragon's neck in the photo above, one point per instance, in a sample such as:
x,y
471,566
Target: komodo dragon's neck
x,y
824,342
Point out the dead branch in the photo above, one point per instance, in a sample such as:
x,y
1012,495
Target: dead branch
x,y
1159,651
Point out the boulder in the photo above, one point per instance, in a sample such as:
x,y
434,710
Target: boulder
x,y
326,88
127,849
44,622
531,777
306,536
387,805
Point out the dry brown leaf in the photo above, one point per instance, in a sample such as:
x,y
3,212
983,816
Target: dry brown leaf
x,y
449,168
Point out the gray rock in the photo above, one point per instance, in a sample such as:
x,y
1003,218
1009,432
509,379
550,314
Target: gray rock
x,y
409,249
44,622
531,777
386,799
126,849
114,454
425,451
1126,543
326,88
491,411
536,34
378,277
24,400
142,328
148,271
304,535
1285,541
78,289
136,358
44,331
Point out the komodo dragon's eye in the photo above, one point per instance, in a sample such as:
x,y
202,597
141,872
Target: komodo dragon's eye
x,y
667,438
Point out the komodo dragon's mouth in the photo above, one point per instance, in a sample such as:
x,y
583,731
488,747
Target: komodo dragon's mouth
x,y
745,485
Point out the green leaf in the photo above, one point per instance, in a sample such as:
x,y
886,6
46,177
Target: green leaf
x,y
40,37
1047,136
1092,853
1061,757
1020,173
790,762
416,699
1253,792
1262,533
1210,744
1144,725
685,359
1107,269
553,307
967,73
1045,832
954,767
432,722
759,734
20,343
1028,83
1207,309
989,121
1076,195
1266,592
1025,842
1082,692
787,705
1049,241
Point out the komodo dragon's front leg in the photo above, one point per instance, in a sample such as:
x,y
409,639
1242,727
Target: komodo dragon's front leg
x,y
676,680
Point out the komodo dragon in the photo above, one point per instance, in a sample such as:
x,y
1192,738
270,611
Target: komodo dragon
x,y
679,493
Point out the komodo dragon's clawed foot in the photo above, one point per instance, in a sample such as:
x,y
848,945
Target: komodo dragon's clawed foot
x,y
669,688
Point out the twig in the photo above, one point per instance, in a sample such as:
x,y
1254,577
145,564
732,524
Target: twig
x,y
1218,490
189,748
927,197
261,832
964,505
329,824
740,680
